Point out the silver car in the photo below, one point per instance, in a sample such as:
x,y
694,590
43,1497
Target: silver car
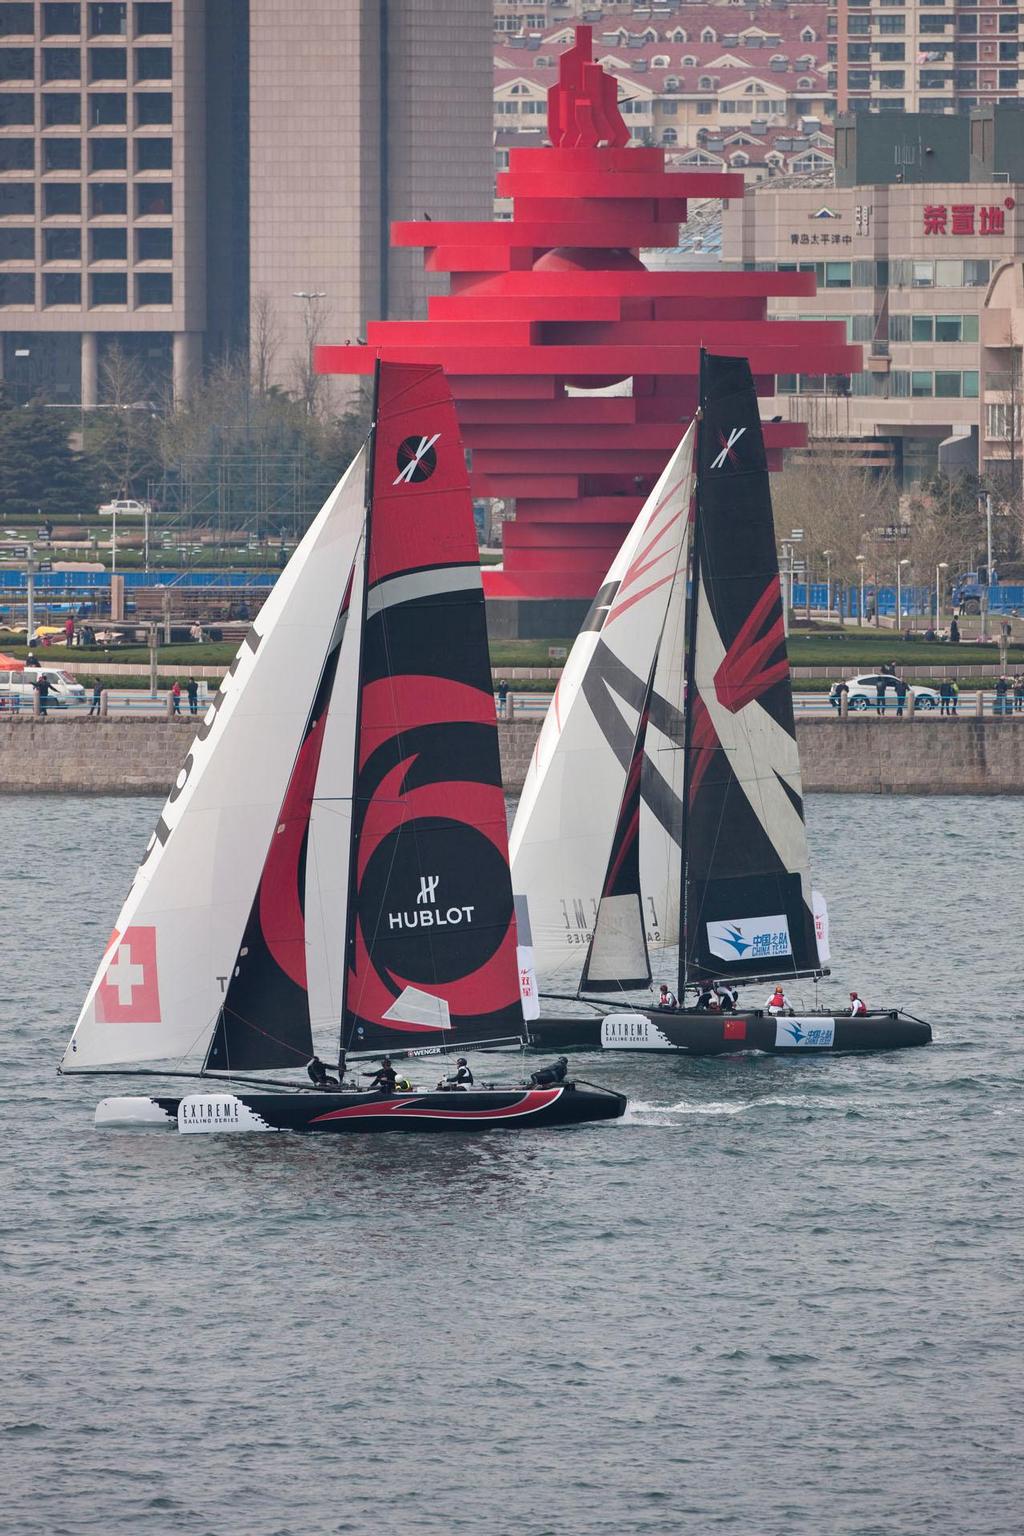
x,y
862,692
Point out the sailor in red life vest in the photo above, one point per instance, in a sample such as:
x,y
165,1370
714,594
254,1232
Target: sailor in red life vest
x,y
857,1006
778,1002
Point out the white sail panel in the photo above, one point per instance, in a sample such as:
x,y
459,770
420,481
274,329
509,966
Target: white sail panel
x,y
160,983
618,953
565,823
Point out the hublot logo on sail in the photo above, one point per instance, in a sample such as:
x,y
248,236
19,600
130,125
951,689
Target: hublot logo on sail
x,y
428,917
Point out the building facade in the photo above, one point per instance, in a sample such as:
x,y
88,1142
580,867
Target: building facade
x,y
908,268
167,166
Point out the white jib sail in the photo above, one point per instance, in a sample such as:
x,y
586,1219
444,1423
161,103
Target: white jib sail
x,y
160,983
563,830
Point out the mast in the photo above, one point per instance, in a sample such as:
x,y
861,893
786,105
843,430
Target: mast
x,y
688,683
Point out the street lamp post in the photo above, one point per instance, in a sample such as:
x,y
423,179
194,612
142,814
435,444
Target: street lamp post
x,y
309,300
942,566
860,611
30,595
987,588
828,583
899,591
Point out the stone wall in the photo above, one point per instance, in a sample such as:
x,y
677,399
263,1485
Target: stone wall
x,y
856,756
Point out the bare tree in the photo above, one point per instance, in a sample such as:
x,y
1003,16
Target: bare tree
x,y
840,505
120,436
264,342
310,385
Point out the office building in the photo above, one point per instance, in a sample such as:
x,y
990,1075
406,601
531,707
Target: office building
x,y
165,162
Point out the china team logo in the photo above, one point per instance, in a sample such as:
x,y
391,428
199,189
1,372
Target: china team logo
x,y
129,992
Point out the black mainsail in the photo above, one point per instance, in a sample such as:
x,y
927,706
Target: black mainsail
x,y
747,899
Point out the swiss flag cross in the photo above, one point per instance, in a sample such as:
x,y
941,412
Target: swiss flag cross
x,y
734,1029
128,993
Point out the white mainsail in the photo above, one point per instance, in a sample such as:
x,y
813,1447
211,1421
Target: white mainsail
x,y
160,983
563,830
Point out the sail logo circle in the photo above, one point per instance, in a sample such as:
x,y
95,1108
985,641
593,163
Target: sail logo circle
x,y
416,460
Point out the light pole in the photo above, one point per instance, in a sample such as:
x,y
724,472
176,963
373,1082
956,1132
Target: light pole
x,y
899,590
942,566
828,582
311,325
30,595
986,590
860,611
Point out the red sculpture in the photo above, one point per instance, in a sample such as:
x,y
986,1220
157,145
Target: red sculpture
x,y
556,300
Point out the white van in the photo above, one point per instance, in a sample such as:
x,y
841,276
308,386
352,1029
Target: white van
x,y
17,688
125,508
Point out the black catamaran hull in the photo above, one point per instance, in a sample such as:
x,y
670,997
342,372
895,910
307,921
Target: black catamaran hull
x,y
340,1113
706,1034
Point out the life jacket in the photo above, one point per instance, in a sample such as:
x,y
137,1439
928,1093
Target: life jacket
x,y
857,1007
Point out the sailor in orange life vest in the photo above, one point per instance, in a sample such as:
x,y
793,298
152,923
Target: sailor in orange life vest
x,y
857,1006
778,1002
667,999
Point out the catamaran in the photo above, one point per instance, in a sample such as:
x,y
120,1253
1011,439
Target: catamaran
x,y
332,860
663,806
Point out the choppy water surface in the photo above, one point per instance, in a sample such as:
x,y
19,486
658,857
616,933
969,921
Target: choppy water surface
x,y
783,1296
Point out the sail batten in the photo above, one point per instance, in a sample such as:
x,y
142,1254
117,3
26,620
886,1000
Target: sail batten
x,y
747,891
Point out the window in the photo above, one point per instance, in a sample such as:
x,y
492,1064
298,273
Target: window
x,y
859,26
922,274
61,110
62,199
1000,421
17,245
17,110
949,274
107,199
861,328
17,64
1008,24
17,199
838,274
62,154
967,23
1008,51
108,154
892,24
976,274
152,63
899,327
152,107
934,24
891,79
61,288
108,109
668,136
62,245
154,288
705,108
949,328
62,64
109,245
966,79
969,325
890,53
108,20
62,20
17,288
921,328
108,288
17,20
108,63
970,378
17,155
153,199
858,53
154,245
920,384
947,384
1007,79
859,79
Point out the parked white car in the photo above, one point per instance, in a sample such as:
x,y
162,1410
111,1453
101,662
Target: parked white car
x,y
862,692
125,508
18,687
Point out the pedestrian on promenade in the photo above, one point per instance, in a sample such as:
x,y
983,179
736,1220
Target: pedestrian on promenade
x,y
42,688
1018,694
1001,690
176,697
502,696
945,696
954,633
880,688
192,689
955,699
901,696
94,707
69,630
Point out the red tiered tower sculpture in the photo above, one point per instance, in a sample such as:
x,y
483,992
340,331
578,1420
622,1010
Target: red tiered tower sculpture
x,y
556,300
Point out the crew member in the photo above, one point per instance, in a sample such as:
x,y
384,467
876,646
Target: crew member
x,y
462,1077
319,1075
728,996
778,1002
546,1077
667,999
384,1078
706,999
858,1007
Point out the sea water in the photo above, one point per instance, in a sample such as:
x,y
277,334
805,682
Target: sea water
x,y
782,1296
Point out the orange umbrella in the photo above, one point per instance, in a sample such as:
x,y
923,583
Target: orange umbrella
x,y
11,664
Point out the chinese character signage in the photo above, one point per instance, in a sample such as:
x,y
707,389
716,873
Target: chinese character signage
x,y
819,240
966,218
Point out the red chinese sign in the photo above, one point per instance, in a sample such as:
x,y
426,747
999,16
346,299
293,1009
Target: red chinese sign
x,y
966,218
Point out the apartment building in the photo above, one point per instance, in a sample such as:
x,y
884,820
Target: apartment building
x,y
715,85
165,162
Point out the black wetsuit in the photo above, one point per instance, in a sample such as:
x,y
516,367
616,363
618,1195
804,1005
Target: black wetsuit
x,y
385,1079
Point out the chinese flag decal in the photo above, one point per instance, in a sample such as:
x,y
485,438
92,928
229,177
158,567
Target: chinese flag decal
x,y
734,1029
129,993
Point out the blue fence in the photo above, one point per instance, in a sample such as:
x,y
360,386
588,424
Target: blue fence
x,y
14,582
915,602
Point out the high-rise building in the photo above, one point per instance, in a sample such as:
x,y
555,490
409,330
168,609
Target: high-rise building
x,y
167,165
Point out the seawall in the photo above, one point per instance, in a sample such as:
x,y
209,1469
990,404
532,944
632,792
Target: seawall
x,y
856,756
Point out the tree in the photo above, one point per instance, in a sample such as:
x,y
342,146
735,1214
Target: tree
x,y
120,438
310,385
39,471
839,504
264,341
